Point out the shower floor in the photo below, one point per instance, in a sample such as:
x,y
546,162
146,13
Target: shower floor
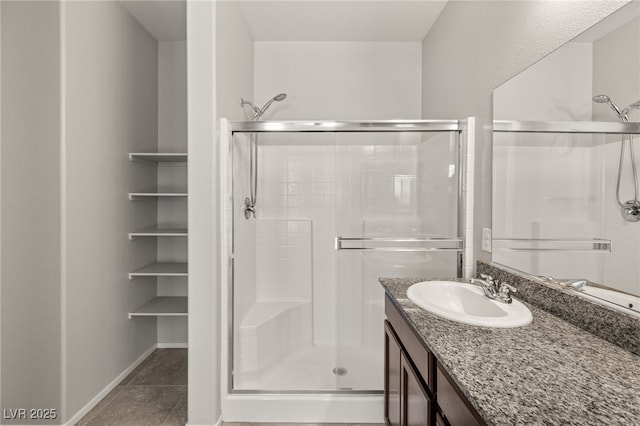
x,y
312,369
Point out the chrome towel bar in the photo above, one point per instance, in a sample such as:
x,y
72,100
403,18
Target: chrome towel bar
x,y
399,244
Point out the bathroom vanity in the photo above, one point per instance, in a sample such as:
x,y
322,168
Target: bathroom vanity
x,y
441,372
413,379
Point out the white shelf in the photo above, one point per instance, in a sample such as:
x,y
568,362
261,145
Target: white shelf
x,y
158,232
161,269
162,307
158,157
156,194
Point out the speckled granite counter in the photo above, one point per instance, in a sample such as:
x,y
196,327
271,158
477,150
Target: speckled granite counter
x,y
549,372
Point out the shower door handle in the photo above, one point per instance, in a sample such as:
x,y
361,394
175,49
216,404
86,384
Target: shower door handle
x,y
399,244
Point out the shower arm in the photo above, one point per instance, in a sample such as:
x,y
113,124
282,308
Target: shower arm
x,y
623,115
250,201
627,138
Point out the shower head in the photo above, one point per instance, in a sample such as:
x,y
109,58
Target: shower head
x,y
604,99
277,98
257,112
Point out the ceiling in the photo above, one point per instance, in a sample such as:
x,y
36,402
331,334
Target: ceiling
x,y
166,20
304,20
342,20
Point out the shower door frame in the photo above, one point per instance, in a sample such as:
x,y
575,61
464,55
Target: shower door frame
x,y
235,401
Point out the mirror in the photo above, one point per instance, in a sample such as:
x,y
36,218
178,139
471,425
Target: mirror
x,y
565,208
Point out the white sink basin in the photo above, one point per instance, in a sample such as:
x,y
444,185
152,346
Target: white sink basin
x,y
466,303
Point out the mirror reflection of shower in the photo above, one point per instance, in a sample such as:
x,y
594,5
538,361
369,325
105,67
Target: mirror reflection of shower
x,y
630,209
250,201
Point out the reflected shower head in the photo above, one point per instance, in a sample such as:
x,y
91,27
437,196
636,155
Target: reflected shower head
x,y
251,104
280,97
601,99
635,105
604,99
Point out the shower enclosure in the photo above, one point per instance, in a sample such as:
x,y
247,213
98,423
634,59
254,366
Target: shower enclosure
x,y
341,204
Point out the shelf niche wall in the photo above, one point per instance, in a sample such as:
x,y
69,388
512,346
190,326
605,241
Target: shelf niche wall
x,y
169,170
172,212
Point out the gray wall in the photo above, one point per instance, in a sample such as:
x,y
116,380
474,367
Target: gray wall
x,y
475,46
172,137
30,200
204,264
235,74
617,75
111,100
79,91
235,57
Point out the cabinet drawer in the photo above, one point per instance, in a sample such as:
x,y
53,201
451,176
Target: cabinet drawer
x,y
452,404
421,357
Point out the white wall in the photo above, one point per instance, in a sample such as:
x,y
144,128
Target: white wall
x,y
556,88
235,56
30,200
172,137
234,52
339,80
476,46
623,87
110,99
333,81
203,207
0,198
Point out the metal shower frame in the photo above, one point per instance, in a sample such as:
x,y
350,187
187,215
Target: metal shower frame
x,y
463,244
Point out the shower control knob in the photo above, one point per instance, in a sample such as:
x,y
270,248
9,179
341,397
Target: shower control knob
x,y
631,211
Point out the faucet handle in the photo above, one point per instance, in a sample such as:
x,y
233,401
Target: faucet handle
x,y
506,288
504,292
487,278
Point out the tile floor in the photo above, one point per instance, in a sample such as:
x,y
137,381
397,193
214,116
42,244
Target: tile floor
x,y
155,394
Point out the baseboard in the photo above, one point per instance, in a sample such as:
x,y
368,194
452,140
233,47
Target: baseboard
x,y
96,399
218,423
172,345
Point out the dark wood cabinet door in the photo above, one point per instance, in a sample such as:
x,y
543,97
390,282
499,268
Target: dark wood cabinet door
x,y
454,406
440,420
392,352
416,404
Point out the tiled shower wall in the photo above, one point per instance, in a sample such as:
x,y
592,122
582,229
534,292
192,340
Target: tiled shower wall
x,y
314,187
283,259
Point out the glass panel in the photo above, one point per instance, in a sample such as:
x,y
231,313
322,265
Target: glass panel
x,y
554,207
277,343
306,316
390,189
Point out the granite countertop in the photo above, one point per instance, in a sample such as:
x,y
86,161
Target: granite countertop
x,y
548,372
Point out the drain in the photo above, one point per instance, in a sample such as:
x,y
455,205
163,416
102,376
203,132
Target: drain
x,y
340,371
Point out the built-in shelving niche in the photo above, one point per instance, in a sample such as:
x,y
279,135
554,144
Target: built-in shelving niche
x,y
160,306
163,306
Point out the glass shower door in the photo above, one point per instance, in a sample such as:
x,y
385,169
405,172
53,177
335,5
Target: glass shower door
x,y
335,211
395,194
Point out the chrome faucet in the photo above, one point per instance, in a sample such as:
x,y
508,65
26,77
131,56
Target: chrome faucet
x,y
501,293
576,284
